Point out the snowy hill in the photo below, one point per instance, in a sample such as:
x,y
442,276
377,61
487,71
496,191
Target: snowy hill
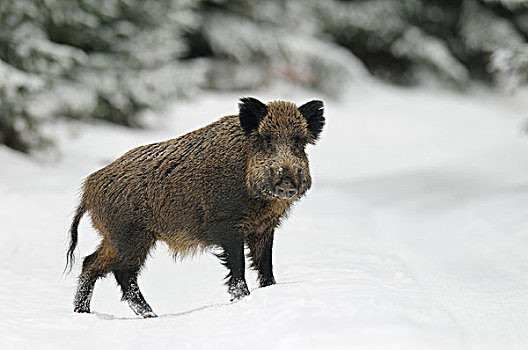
x,y
414,236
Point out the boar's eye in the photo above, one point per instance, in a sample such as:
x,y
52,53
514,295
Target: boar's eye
x,y
299,143
268,142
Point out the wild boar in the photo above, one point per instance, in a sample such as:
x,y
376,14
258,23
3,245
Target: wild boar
x,y
226,185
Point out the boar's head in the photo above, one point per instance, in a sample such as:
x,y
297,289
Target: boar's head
x,y
279,132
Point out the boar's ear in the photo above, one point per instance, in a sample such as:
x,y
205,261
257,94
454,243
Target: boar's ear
x,y
251,112
313,113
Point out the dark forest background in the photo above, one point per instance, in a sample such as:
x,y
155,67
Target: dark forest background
x,y
93,59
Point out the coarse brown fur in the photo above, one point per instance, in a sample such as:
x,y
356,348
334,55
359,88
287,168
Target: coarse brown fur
x,y
225,185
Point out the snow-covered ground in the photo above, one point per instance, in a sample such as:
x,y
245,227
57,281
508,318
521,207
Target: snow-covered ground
x,y
414,236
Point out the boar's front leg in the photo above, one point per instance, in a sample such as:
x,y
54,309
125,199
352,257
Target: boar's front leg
x,y
260,249
232,257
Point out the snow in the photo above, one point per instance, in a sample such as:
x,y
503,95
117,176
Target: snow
x,y
414,235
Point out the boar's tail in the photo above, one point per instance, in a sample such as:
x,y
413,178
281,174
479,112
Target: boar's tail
x,y
70,255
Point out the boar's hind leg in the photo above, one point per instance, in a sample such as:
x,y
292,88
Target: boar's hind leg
x,y
127,279
131,257
95,266
260,248
232,257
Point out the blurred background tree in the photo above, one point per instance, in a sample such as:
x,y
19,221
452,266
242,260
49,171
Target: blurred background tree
x,y
92,59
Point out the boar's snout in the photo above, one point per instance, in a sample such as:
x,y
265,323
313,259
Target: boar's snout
x,y
285,181
285,189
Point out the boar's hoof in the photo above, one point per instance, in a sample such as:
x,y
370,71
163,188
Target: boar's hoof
x,y
238,290
149,314
81,310
141,309
267,282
